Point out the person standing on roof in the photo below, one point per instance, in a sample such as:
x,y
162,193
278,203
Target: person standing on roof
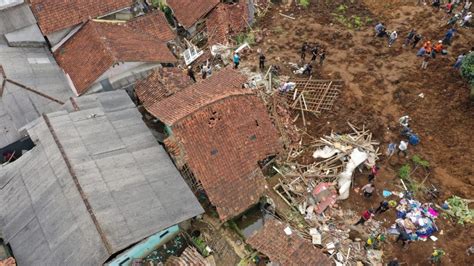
x,y
459,60
191,73
236,60
366,215
448,37
261,62
416,40
393,37
409,37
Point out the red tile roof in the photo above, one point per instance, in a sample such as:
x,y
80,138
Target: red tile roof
x,y
225,20
98,46
154,24
189,12
161,84
54,15
272,241
222,84
223,132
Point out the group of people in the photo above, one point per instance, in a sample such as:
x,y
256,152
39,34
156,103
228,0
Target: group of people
x,y
429,50
316,51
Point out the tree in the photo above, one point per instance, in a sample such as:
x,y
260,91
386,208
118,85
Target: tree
x,y
467,68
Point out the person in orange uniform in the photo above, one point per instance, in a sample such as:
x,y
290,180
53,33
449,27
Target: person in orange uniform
x,y
438,47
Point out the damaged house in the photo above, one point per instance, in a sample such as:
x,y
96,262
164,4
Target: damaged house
x,y
96,188
218,132
105,56
285,246
58,20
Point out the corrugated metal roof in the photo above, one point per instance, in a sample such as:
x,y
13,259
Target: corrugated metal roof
x,y
122,173
36,68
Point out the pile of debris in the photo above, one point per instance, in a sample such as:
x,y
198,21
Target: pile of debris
x,y
416,219
312,189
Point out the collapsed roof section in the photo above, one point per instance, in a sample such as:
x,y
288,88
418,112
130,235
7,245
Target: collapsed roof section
x,y
95,183
99,46
226,19
53,15
284,246
161,84
188,12
223,131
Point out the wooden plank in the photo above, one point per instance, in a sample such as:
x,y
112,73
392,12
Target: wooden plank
x,y
324,95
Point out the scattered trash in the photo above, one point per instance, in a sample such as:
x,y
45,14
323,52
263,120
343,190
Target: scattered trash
x,y
416,219
288,231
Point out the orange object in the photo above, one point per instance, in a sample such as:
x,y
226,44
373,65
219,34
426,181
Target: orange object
x,y
438,47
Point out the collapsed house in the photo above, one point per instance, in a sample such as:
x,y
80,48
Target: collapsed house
x,y
285,247
218,133
59,20
95,184
105,56
160,84
225,20
190,13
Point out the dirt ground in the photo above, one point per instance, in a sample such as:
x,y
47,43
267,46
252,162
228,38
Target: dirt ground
x,y
381,85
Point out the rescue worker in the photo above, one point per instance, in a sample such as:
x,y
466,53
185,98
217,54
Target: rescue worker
x,y
393,37
416,40
409,37
303,51
236,60
191,74
261,61
366,215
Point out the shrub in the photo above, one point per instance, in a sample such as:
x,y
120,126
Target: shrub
x,y
404,172
467,68
304,3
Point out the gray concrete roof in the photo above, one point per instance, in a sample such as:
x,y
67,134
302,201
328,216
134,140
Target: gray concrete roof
x,y
124,175
15,18
36,68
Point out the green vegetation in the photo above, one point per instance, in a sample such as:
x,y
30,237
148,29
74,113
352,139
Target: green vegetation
x,y
245,37
418,161
304,3
467,68
201,245
404,172
459,209
352,22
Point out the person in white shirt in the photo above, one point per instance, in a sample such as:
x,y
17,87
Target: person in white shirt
x,y
393,38
402,148
466,19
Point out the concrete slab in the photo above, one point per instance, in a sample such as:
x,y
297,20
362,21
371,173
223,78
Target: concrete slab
x,y
30,36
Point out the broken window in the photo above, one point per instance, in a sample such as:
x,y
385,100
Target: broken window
x,y
191,54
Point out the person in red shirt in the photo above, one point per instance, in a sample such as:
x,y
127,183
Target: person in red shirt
x,y
366,215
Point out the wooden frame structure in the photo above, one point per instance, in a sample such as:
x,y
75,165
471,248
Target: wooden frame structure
x,y
314,96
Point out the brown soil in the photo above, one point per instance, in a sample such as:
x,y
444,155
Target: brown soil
x,y
383,84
